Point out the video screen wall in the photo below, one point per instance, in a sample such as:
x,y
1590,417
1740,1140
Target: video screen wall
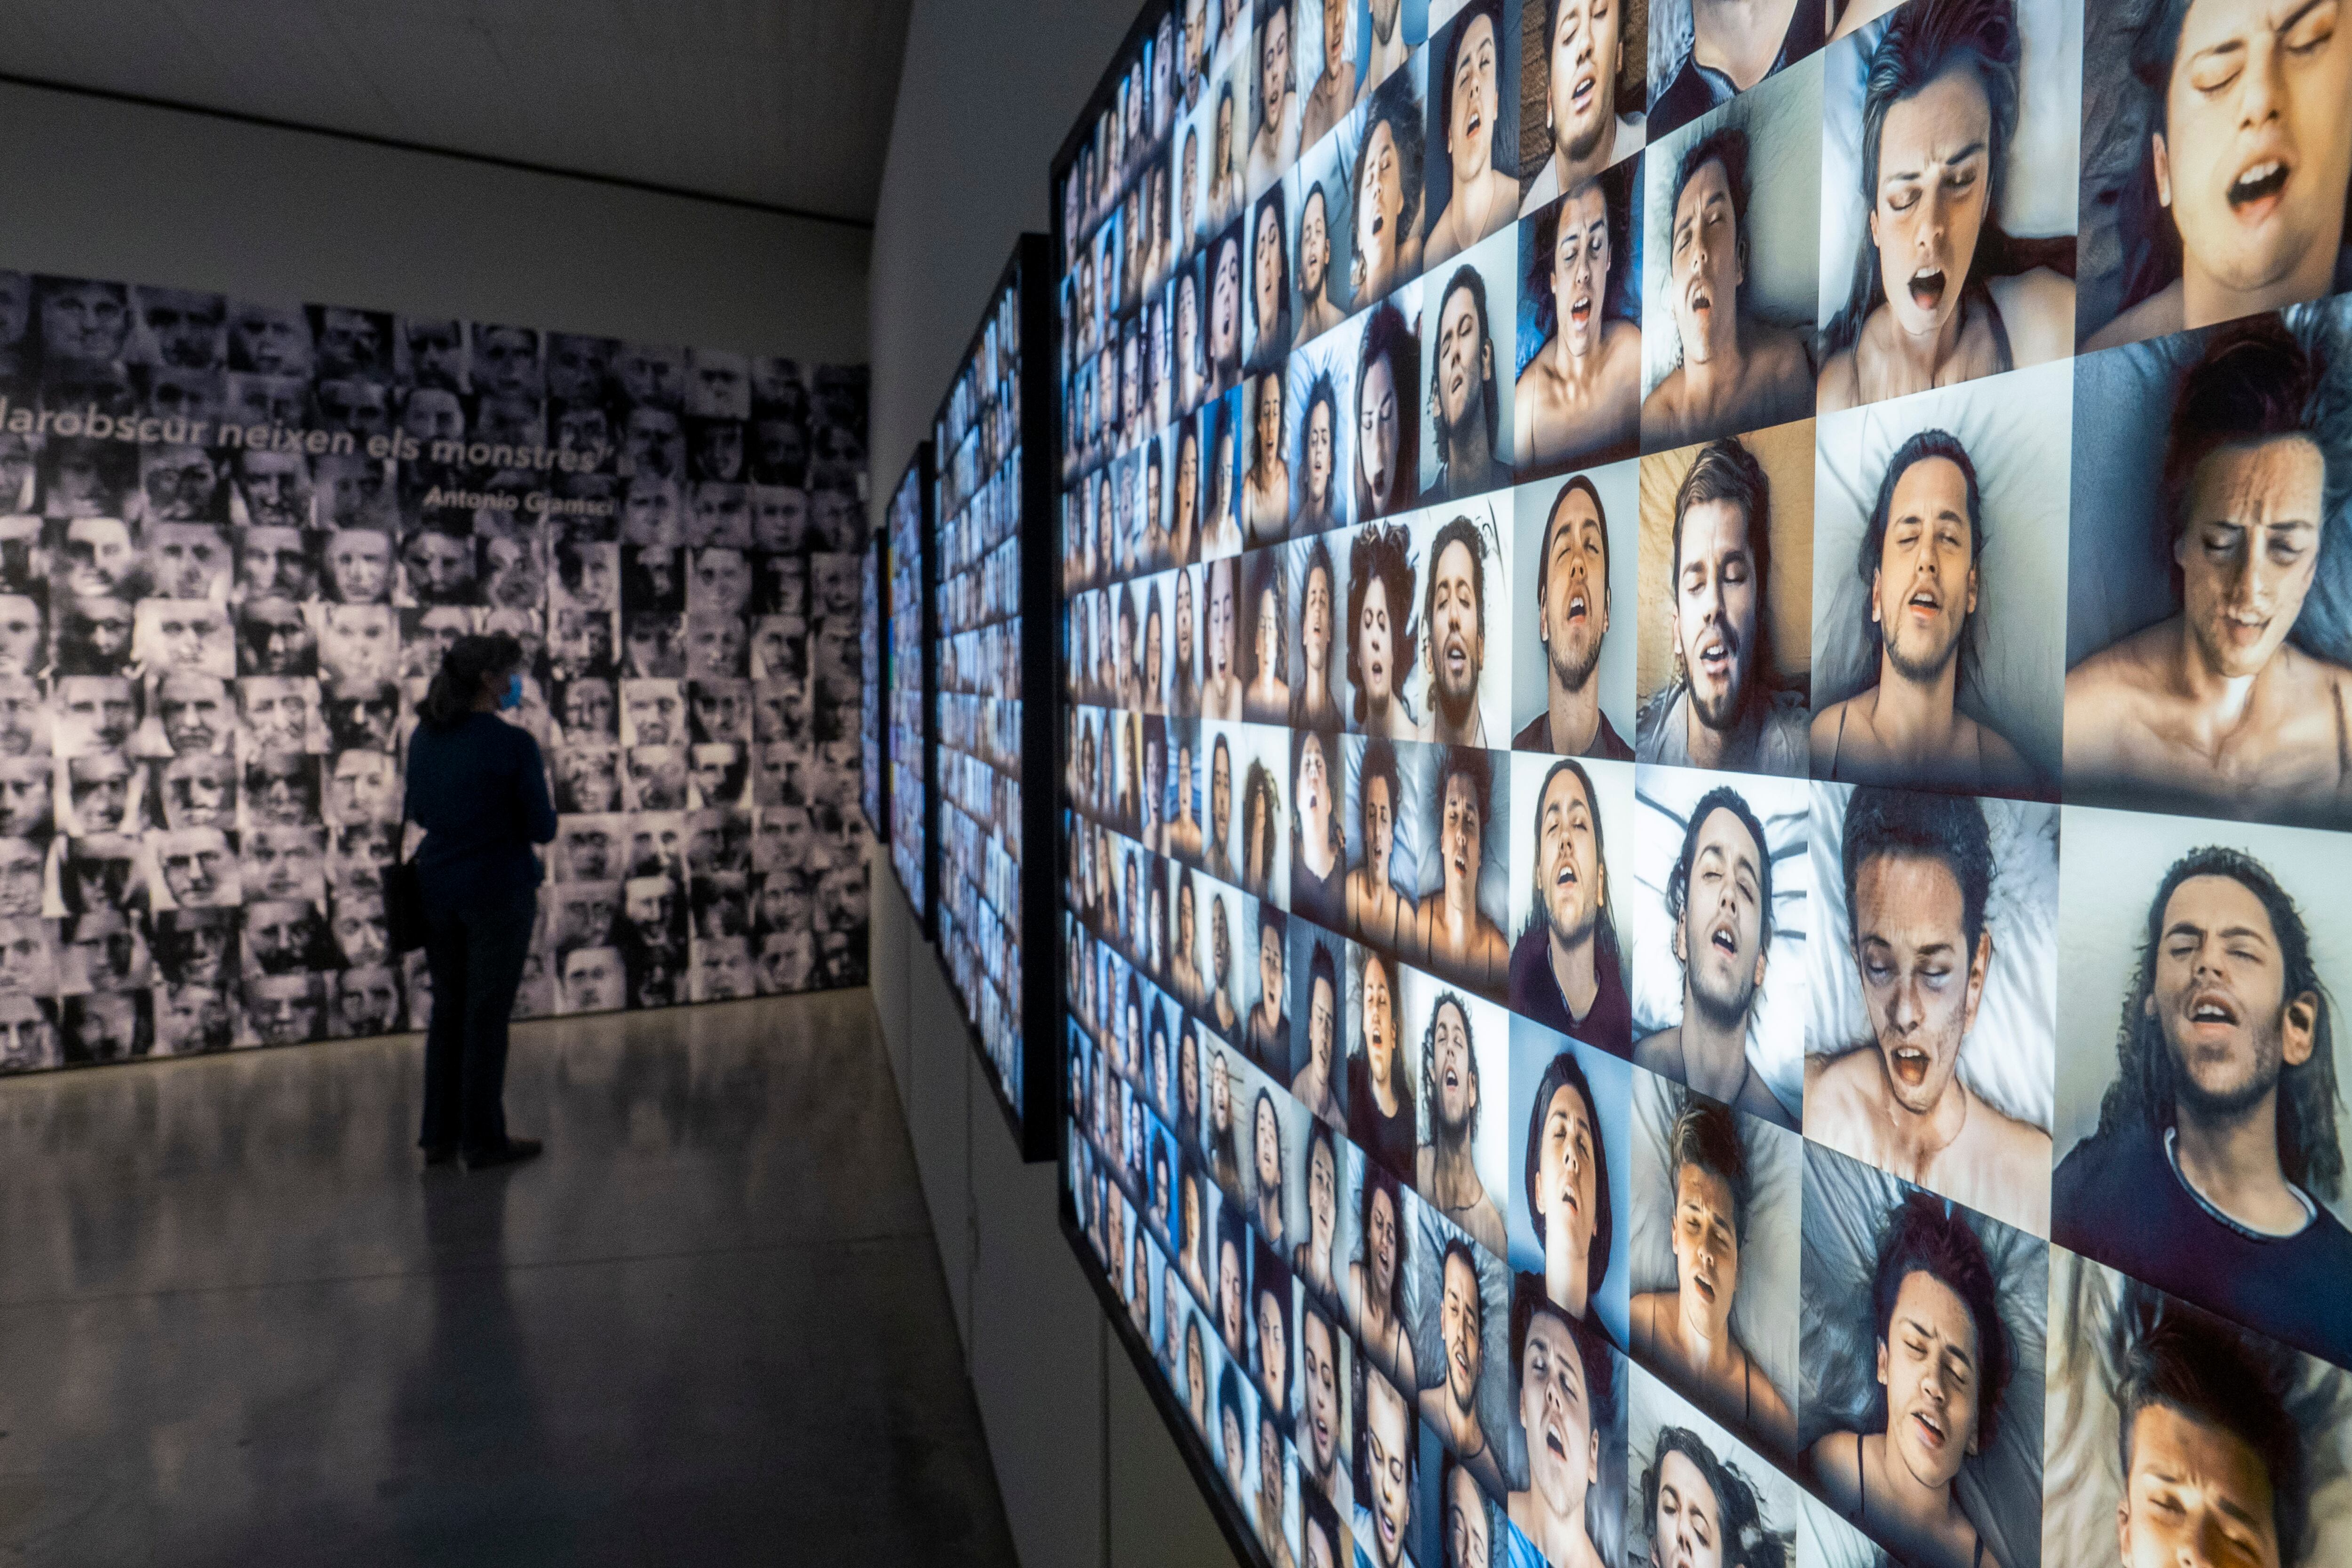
x,y
995,418
236,537
910,677
1640,582
871,685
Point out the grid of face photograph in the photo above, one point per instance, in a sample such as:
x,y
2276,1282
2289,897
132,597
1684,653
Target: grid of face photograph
x,y
236,537
977,438
873,682
909,775
1708,720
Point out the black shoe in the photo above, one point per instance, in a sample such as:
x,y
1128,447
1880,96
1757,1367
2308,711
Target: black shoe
x,y
440,1153
513,1151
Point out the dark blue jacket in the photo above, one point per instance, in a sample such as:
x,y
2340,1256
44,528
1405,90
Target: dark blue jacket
x,y
479,792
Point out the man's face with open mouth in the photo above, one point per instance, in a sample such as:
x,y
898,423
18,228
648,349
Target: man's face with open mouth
x,y
1456,639
1919,981
1452,1071
1462,358
1935,185
1585,40
2257,147
1556,1413
1723,918
1704,290
1580,275
1568,862
2220,995
1471,136
1320,1369
1707,1249
1387,1466
1458,1323
1926,580
1717,600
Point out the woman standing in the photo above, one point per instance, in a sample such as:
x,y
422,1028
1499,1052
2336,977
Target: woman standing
x,y
477,787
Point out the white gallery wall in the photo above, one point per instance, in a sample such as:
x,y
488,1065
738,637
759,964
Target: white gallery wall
x,y
1089,1473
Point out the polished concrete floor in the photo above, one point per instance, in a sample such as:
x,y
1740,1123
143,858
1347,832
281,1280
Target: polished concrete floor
x,y
238,1324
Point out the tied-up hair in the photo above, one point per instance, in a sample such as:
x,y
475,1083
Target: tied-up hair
x,y
469,660
1748,1542
2144,1094
1921,44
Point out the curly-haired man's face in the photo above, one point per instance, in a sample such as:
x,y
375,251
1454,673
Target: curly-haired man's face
x,y
2218,994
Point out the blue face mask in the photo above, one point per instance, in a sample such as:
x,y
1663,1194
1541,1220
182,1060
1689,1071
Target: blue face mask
x,y
511,699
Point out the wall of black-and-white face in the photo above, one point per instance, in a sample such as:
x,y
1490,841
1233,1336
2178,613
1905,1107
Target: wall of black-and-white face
x,y
238,537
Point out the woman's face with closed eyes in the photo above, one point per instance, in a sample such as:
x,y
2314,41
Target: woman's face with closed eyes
x,y
1376,429
1375,645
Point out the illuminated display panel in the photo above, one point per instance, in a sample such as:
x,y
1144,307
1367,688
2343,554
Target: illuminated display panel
x,y
872,639
1621,629
910,683
990,427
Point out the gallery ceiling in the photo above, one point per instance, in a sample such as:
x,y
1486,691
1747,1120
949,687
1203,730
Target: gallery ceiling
x,y
786,103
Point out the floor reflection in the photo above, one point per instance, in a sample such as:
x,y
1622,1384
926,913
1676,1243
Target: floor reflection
x,y
238,1323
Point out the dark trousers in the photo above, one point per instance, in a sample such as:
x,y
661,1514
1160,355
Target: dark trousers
x,y
475,957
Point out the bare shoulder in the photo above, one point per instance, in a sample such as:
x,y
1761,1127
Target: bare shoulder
x,y
2012,1138
1665,419
1832,1083
2000,764
1535,380
1840,382
1837,1457
2314,678
1620,347
1784,352
1661,1053
2120,668
1824,730
2153,316
2037,311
